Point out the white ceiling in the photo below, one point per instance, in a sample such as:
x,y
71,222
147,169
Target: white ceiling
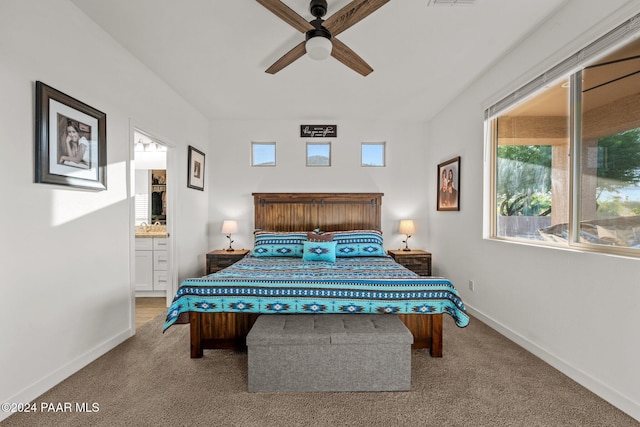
x,y
214,53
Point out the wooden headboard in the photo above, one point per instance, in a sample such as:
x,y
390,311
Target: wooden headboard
x,y
327,211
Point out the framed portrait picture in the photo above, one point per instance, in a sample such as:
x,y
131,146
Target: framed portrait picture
x,y
196,169
449,185
71,141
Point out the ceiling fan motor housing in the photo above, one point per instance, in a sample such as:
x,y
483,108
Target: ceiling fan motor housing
x,y
318,32
318,8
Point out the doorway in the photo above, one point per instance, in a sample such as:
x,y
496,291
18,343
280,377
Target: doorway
x,y
153,219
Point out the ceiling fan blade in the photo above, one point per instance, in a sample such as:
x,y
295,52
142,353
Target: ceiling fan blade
x,y
287,14
351,14
287,58
349,58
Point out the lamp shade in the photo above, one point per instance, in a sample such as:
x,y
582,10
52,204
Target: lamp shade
x,y
407,227
229,226
318,47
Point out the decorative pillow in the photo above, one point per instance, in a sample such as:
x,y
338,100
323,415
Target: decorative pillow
x,y
319,251
314,236
358,243
271,243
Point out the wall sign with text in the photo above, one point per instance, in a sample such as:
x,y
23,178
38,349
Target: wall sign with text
x,y
318,131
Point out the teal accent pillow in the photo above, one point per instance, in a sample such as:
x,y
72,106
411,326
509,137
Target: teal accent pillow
x,y
319,251
280,244
358,243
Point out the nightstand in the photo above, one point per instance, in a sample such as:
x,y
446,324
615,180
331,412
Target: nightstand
x,y
221,258
416,260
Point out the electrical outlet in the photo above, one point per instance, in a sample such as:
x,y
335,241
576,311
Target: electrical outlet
x,y
472,285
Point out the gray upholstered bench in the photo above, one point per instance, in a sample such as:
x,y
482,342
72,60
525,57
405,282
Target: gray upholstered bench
x,y
329,352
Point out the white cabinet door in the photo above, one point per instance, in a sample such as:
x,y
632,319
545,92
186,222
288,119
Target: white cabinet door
x,y
144,270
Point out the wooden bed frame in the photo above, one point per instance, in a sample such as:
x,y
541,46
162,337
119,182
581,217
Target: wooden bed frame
x,y
307,211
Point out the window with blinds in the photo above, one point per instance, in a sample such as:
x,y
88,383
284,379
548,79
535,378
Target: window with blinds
x,y
565,162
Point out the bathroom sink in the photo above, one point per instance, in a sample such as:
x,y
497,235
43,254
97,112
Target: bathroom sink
x,y
151,231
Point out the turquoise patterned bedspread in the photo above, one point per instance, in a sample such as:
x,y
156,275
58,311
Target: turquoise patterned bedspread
x,y
289,285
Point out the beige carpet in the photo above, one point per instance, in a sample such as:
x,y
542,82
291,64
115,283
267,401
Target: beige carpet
x,y
482,380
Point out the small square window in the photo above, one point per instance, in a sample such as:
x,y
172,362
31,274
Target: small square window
x,y
373,154
263,154
318,154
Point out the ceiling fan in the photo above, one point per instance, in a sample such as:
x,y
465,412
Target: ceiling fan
x,y
320,35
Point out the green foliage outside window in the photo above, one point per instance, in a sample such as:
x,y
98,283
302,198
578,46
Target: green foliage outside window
x,y
618,169
524,180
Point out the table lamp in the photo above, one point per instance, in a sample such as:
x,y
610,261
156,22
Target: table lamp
x,y
229,227
407,227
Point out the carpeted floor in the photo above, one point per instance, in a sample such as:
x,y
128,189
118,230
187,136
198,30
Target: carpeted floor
x,y
482,380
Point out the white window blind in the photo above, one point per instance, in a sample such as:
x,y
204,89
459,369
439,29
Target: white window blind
x,y
570,65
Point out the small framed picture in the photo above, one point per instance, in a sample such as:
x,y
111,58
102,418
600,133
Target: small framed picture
x,y
449,185
71,141
195,179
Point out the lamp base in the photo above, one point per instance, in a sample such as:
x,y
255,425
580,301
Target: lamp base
x,y
230,249
406,243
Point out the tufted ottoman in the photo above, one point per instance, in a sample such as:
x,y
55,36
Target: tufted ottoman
x,y
329,352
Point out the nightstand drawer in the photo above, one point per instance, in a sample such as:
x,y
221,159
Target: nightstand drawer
x,y
217,260
420,270
224,262
415,260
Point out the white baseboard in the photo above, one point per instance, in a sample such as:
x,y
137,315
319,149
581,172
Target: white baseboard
x,y
32,392
602,390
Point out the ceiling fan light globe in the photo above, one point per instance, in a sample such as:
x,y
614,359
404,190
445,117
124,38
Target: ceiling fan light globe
x,y
318,48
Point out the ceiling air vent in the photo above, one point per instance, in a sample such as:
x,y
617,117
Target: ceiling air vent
x,y
451,2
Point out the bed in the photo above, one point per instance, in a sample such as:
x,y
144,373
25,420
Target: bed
x,y
357,277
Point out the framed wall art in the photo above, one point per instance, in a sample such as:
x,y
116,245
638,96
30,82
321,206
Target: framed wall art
x,y
449,185
195,179
318,131
71,141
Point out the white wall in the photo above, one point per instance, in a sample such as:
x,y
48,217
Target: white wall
x,y
578,311
65,253
232,178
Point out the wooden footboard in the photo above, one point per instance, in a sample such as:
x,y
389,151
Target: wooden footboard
x,y
229,330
